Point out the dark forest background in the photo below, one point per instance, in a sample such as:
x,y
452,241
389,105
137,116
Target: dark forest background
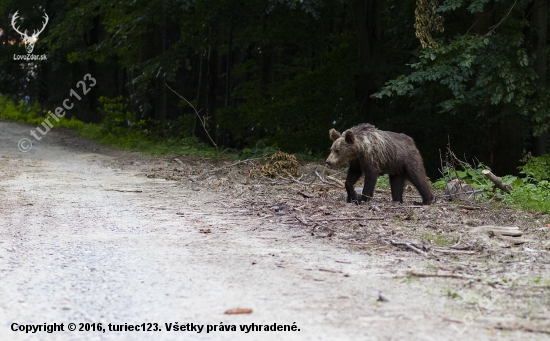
x,y
282,73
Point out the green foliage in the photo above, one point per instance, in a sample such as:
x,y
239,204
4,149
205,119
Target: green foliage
x,y
260,150
33,114
534,197
383,182
461,170
533,190
116,117
20,112
536,168
440,184
480,73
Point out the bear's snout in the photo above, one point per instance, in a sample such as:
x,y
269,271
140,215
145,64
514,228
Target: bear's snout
x,y
330,161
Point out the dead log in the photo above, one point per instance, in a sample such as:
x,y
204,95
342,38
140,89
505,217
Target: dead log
x,y
497,181
512,231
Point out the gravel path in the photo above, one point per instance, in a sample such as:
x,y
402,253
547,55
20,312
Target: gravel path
x,y
82,243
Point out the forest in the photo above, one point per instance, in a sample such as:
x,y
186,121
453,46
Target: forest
x,y
249,75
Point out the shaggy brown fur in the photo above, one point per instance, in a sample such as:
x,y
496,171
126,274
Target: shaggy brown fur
x,y
372,152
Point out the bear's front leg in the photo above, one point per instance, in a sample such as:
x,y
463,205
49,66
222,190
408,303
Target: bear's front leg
x,y
370,182
354,173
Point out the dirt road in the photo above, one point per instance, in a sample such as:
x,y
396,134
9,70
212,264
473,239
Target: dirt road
x,y
85,243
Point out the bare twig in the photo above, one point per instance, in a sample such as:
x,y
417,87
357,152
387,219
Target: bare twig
x,y
272,181
202,120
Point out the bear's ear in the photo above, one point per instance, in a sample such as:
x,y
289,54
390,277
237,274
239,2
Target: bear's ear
x,y
349,136
333,134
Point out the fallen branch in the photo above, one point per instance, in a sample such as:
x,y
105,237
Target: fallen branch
x,y
497,181
215,170
302,221
470,208
512,240
442,275
324,181
459,193
466,252
305,194
410,246
350,219
337,181
298,180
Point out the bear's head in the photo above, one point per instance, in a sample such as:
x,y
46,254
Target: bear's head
x,y
343,148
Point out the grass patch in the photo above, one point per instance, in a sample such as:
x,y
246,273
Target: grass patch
x,y
453,295
438,239
531,197
383,182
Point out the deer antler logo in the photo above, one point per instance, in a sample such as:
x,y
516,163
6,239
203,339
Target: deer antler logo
x,y
29,41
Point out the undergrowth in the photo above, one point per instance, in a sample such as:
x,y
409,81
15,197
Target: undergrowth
x,y
118,130
530,191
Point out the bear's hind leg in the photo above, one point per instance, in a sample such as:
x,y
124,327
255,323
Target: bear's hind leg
x,y
418,178
397,184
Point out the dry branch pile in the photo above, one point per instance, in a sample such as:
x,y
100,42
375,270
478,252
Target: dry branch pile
x,y
281,164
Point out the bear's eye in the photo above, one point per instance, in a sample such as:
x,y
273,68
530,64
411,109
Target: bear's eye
x,y
337,150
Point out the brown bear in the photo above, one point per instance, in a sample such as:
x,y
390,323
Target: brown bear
x,y
373,152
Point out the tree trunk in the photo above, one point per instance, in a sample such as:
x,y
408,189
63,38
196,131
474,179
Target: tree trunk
x,y
207,97
505,147
266,59
202,97
366,17
228,64
160,82
213,81
505,130
539,27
